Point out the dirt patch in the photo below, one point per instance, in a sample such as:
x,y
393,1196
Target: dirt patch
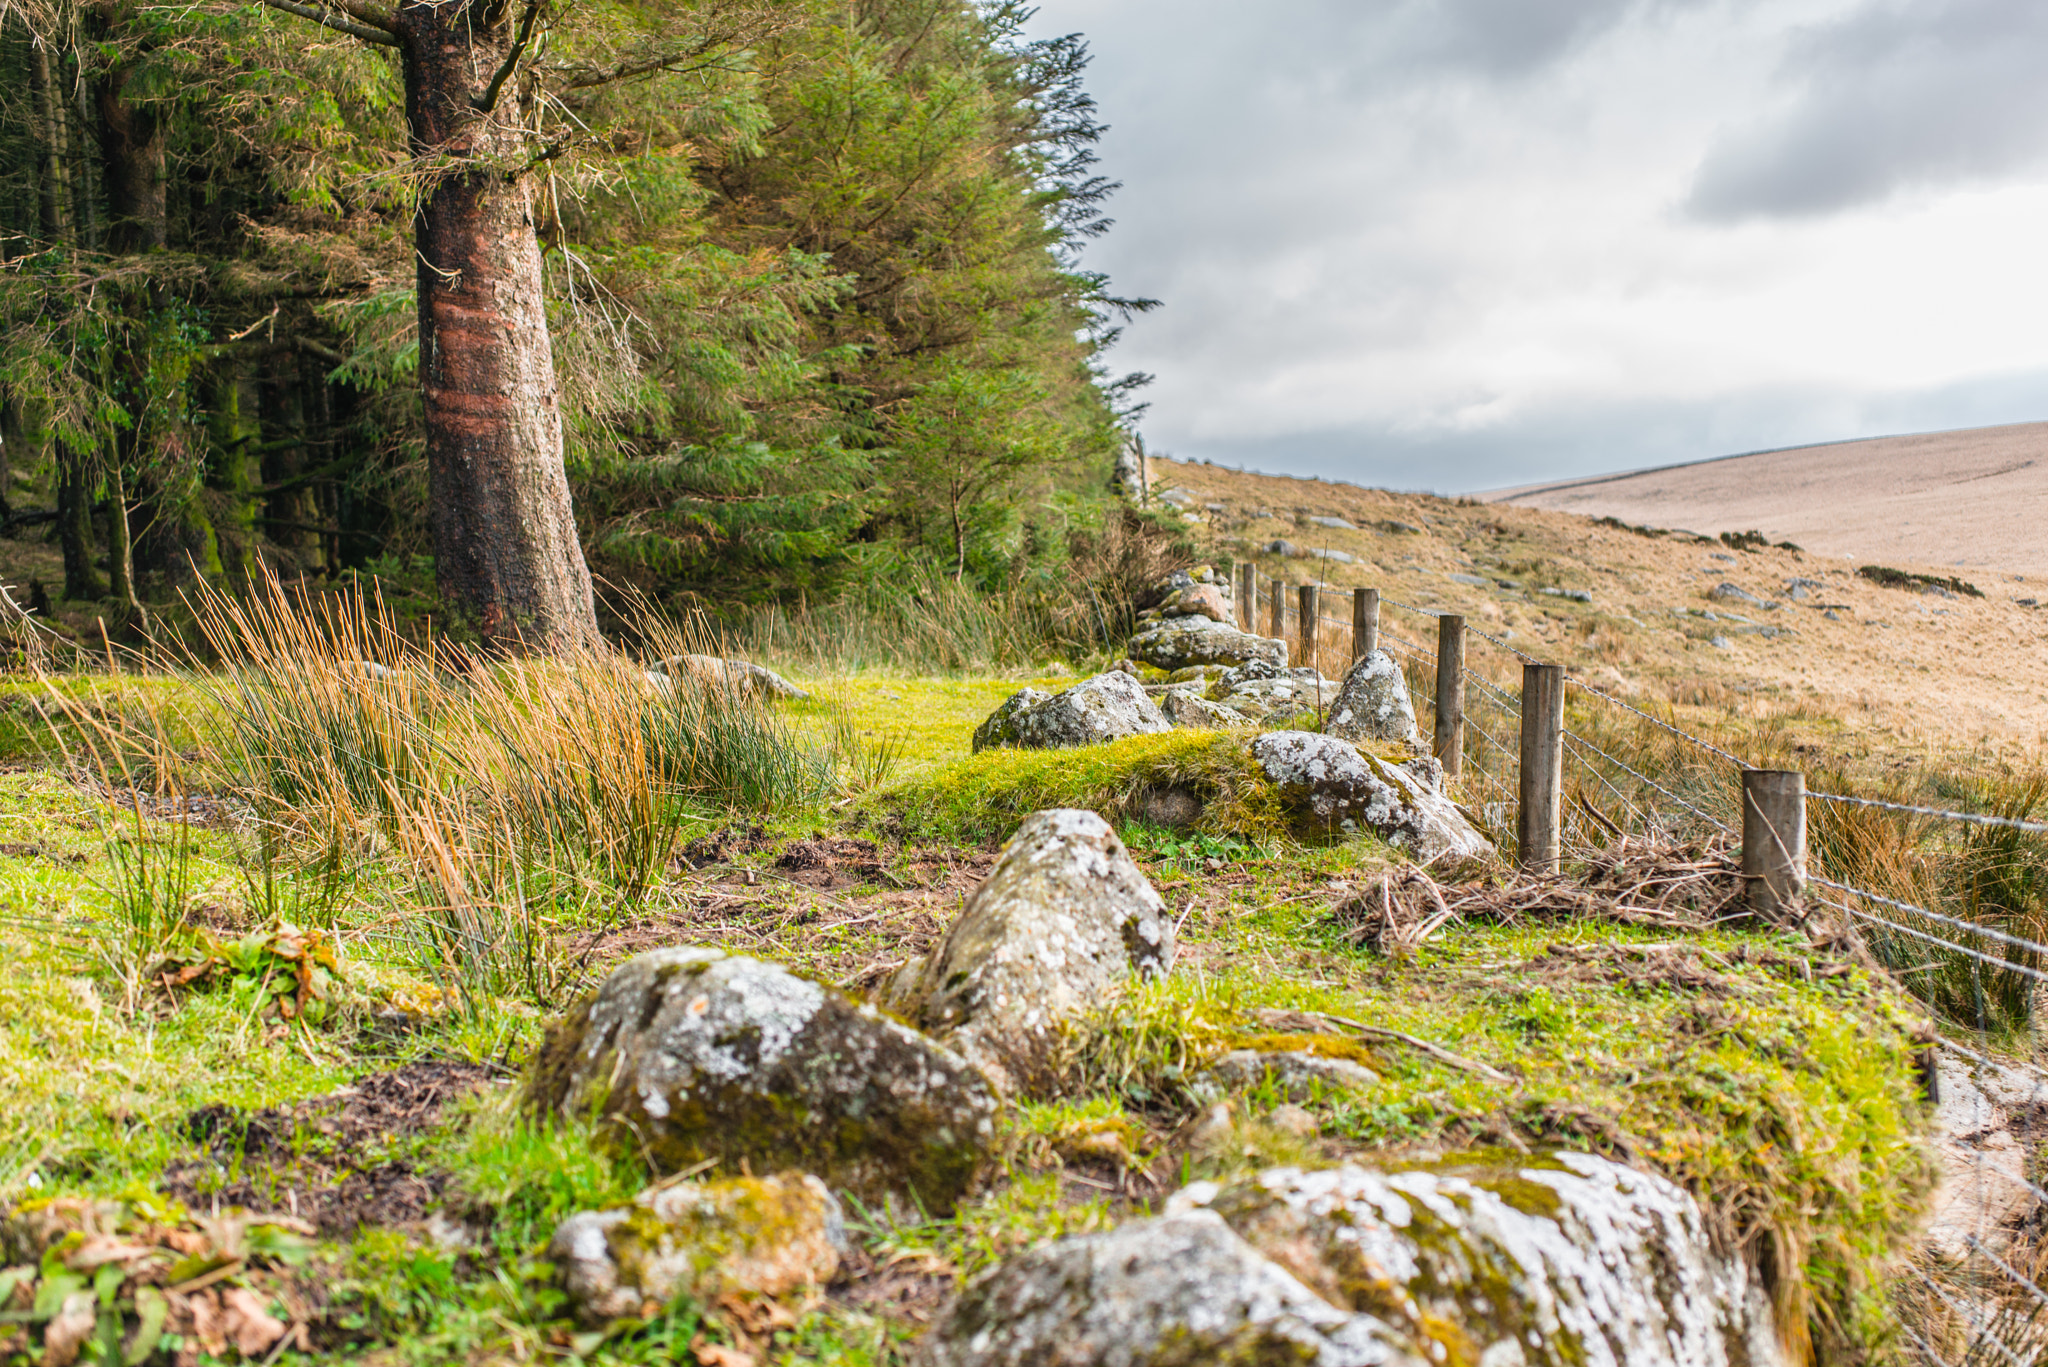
x,y
1677,968
828,863
327,1160
724,845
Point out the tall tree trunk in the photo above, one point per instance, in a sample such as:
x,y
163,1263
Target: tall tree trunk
x,y
132,167
505,544
74,526
45,110
120,546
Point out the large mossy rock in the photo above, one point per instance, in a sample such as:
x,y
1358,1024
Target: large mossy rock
x,y
1104,708
1333,790
1062,921
687,1054
1180,642
1576,1260
743,1236
1569,1262
1180,1291
1373,704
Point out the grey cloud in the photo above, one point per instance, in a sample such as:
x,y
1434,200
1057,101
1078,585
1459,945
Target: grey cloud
x,y
1901,95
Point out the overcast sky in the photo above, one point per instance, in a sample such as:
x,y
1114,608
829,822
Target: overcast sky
x,y
1459,244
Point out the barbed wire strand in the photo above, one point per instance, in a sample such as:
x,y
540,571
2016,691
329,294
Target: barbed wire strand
x,y
1974,927
1640,777
1973,818
1708,745
1926,1348
1579,752
2008,1269
2007,964
1981,1324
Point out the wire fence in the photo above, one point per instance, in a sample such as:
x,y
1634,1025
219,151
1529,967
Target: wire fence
x,y
1961,961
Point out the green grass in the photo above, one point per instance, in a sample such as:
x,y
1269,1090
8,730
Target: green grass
x,y
1787,1104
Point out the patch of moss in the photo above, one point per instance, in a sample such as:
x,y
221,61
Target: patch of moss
x,y
984,797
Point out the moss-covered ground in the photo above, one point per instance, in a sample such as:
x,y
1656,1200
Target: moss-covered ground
x,y
1773,1079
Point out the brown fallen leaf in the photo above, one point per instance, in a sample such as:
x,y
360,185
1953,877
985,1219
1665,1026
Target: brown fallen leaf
x,y
69,1329
204,1308
247,1322
712,1355
97,1252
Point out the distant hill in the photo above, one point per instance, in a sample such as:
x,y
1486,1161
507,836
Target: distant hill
x,y
1976,498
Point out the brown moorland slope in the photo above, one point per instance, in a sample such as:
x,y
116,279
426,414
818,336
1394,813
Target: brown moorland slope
x,y
1975,499
1884,671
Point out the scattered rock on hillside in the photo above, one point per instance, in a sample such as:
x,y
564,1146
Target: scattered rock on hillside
x,y
1187,707
1107,707
1732,593
690,1054
748,680
744,1236
1281,546
1334,557
1334,523
1373,703
999,729
1167,1292
1566,1260
1296,1073
1334,790
1178,642
1061,922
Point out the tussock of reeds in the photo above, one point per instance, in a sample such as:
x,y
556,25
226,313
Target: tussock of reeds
x,y
498,791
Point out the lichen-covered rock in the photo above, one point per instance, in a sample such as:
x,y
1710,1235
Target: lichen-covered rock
x,y
1334,790
1178,1291
1061,922
1198,600
1107,707
1574,1261
1296,1073
1187,707
746,679
744,1236
1373,703
1178,642
999,729
686,1054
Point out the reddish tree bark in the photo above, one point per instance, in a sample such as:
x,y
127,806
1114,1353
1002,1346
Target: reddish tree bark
x,y
505,544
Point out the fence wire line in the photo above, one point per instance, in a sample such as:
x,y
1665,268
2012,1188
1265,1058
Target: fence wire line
x,y
2008,1269
1582,685
1579,753
1973,818
1926,1348
2006,964
1975,928
1980,1323
1645,778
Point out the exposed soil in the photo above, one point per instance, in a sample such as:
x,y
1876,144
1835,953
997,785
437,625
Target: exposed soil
x,y
326,1160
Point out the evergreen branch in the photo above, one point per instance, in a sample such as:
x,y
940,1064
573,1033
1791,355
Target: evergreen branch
x,y
488,101
357,21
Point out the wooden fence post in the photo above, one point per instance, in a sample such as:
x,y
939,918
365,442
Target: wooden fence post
x,y
1310,616
1276,614
1539,820
1365,622
1773,838
1248,597
1450,693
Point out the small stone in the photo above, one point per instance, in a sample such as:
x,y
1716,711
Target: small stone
x,y
1179,497
1474,580
1064,919
1373,704
1198,600
748,680
1722,643
1280,546
686,1054
1732,593
1334,523
1293,1121
745,1236
1188,708
1297,1073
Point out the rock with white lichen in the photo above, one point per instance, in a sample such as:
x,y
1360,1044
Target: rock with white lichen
x,y
1569,1261
1333,789
1179,642
1372,704
1187,707
1107,707
687,1054
1062,921
743,1236
1295,1074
